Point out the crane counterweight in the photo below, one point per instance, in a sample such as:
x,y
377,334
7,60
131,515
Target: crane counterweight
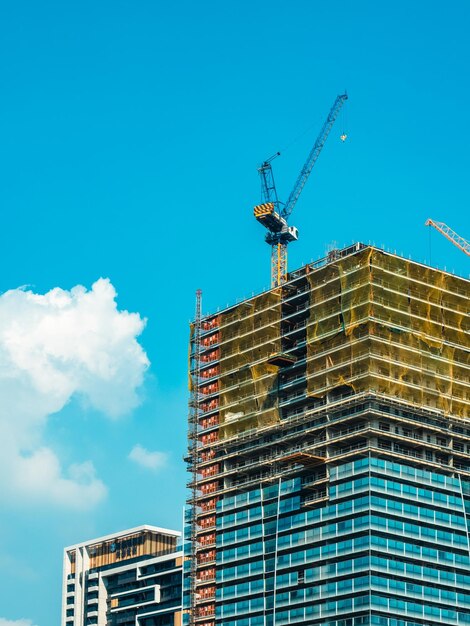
x,y
269,217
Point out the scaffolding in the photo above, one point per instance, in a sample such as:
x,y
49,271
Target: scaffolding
x,y
193,458
249,335
381,323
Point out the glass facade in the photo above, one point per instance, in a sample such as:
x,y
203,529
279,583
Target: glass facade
x,y
391,547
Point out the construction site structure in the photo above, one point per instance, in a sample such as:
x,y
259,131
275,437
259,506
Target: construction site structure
x,y
451,235
330,484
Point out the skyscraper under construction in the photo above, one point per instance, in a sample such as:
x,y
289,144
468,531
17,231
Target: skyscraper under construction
x,y
329,450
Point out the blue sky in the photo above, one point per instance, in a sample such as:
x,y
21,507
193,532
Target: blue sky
x,y
130,132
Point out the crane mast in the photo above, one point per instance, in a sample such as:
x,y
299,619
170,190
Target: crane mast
x,y
273,215
268,187
451,235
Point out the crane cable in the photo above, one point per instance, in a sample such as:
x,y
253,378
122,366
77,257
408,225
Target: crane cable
x,y
344,120
301,135
430,244
296,139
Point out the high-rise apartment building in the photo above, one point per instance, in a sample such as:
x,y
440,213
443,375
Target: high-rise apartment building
x,y
329,450
131,578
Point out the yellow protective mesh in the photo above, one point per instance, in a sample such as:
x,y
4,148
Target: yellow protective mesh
x,y
249,334
384,324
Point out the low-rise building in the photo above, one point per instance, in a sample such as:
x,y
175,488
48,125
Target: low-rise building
x,y
129,578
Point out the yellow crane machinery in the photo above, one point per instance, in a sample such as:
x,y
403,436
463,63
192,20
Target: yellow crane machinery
x,y
451,235
273,214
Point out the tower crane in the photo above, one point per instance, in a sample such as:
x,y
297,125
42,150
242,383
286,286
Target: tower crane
x,y
451,235
273,214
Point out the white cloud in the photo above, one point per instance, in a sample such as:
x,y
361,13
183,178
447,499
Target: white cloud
x,y
147,459
53,347
17,622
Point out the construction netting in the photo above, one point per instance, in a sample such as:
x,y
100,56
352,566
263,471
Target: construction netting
x,y
250,334
384,324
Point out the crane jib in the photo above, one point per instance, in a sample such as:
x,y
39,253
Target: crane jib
x,y
451,235
313,156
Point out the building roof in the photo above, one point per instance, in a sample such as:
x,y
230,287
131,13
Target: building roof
x,y
125,533
332,257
